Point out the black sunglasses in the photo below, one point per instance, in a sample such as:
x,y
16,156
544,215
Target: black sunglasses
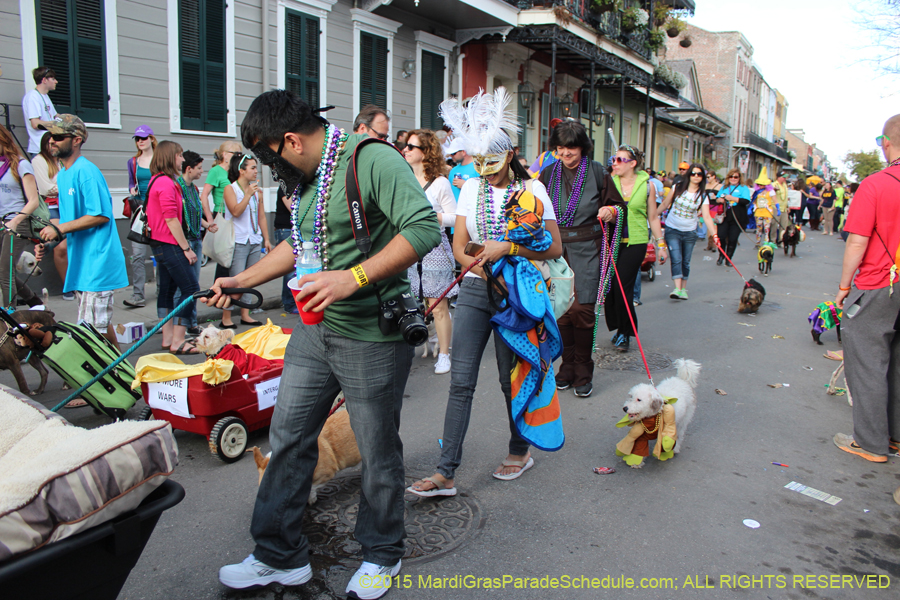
x,y
140,139
60,137
416,147
697,174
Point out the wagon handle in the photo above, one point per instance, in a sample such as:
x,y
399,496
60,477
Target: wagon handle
x,y
229,291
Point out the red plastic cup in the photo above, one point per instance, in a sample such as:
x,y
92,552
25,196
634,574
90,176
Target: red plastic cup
x,y
308,317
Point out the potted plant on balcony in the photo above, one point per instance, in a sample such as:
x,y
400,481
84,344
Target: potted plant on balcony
x,y
685,42
674,27
634,18
602,6
656,39
661,13
670,77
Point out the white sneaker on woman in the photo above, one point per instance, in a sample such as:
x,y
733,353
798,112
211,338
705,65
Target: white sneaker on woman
x,y
443,364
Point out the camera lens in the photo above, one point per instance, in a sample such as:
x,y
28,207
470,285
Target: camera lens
x,y
414,330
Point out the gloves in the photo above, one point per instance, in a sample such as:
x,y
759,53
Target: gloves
x,y
668,443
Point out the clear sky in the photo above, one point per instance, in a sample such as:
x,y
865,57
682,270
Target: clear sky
x,y
813,52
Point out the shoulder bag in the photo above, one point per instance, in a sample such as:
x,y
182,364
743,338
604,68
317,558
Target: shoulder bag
x,y
140,227
131,203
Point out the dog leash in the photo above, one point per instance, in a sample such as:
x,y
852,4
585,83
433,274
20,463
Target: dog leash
x,y
728,258
447,291
629,309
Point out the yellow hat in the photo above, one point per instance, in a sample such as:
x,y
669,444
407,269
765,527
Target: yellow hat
x,y
763,178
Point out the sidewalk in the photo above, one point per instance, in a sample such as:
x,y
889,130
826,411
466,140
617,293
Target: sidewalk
x,y
68,310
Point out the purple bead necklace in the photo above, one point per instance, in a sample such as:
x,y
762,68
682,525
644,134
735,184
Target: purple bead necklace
x,y
488,224
568,218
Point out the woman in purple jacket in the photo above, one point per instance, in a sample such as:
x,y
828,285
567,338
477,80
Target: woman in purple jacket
x,y
138,180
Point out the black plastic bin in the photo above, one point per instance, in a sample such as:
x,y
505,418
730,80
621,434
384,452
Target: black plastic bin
x,y
92,565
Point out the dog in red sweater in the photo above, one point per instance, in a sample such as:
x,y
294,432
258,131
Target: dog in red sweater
x,y
216,343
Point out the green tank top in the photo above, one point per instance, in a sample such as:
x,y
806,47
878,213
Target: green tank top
x,y
638,230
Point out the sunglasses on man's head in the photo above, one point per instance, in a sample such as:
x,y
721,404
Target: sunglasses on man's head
x,y
60,137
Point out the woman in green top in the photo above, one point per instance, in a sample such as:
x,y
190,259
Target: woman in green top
x,y
633,183
216,182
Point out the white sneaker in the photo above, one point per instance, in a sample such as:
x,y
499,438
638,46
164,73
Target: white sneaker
x,y
443,364
253,572
371,581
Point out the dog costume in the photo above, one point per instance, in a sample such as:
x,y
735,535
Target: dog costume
x,y
766,205
244,361
635,446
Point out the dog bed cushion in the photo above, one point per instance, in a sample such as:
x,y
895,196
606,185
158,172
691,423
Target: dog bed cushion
x,y
59,479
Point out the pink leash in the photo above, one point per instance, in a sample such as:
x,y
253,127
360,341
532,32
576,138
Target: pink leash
x,y
728,258
455,281
630,318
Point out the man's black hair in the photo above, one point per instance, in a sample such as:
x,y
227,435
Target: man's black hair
x,y
275,113
191,160
570,134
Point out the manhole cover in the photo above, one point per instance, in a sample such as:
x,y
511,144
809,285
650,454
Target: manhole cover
x,y
611,360
433,526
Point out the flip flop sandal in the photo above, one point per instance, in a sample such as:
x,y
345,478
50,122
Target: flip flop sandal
x,y
251,323
76,403
439,489
523,465
182,352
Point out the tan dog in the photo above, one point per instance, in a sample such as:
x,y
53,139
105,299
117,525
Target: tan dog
x,y
337,451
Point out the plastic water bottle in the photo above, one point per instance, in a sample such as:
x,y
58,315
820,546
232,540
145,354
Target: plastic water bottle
x,y
308,262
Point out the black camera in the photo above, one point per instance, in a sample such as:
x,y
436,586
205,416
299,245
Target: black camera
x,y
404,315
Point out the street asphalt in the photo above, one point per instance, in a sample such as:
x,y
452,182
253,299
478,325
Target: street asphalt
x,y
678,524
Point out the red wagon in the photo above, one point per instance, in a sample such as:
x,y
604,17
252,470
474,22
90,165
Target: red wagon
x,y
224,413
649,261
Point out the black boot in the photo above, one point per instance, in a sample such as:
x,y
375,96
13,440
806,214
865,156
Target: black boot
x,y
721,260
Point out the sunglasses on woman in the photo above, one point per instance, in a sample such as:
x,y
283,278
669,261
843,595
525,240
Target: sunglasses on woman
x,y
141,139
416,147
735,177
619,159
697,174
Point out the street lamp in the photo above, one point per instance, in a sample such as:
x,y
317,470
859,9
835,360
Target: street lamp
x,y
567,106
526,95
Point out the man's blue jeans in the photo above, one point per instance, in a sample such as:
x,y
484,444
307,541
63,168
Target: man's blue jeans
x,y
681,246
287,299
318,363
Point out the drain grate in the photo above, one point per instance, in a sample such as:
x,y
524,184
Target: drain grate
x,y
433,527
611,360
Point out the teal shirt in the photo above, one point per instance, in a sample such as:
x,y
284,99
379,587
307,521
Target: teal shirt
x,y
143,180
394,204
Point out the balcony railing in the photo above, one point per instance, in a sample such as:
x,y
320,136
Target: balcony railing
x,y
757,141
608,23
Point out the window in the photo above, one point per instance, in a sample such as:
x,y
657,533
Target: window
x,y
432,89
661,161
301,56
675,159
72,41
201,44
373,61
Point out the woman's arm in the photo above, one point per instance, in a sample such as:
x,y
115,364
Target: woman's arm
x,y
653,220
447,203
234,207
132,181
264,229
707,218
174,226
665,203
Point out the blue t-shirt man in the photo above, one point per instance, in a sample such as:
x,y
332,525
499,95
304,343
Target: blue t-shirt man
x,y
96,260
466,172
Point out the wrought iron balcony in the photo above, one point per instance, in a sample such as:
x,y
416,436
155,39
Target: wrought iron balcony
x,y
608,23
757,141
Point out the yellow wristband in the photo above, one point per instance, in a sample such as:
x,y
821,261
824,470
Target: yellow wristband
x,y
662,244
514,250
360,276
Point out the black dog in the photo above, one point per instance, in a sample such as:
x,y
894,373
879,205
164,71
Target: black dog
x,y
752,297
791,238
765,256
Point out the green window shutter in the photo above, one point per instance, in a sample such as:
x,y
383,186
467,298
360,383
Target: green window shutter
x,y
373,69
201,40
72,41
302,56
432,78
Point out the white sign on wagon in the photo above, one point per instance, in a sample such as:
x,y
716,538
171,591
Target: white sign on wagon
x,y
170,396
267,392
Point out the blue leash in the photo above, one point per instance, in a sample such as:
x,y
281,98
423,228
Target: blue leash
x,y
149,334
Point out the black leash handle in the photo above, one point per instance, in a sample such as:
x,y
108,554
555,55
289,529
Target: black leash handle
x,y
229,291
42,222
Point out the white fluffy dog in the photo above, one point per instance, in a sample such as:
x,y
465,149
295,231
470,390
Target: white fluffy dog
x,y
644,401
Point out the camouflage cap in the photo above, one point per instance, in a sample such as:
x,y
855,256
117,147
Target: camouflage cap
x,y
68,124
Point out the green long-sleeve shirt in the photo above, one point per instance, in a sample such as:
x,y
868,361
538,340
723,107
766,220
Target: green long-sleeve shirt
x,y
394,204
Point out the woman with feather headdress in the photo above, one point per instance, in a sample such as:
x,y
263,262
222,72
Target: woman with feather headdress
x,y
487,129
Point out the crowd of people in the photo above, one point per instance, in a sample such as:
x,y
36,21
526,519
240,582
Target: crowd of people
x,y
425,221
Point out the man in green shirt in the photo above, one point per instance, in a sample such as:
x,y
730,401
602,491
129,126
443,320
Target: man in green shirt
x,y
347,351
838,205
782,219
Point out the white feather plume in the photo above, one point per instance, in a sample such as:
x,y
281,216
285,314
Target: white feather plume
x,y
485,125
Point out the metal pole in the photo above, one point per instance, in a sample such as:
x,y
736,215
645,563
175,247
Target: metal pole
x,y
647,119
553,83
591,101
622,110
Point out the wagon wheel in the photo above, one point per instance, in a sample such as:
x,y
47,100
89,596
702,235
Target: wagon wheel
x,y
228,439
651,274
146,414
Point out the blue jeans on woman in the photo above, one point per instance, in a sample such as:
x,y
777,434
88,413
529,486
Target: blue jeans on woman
x,y
471,330
191,321
175,272
681,246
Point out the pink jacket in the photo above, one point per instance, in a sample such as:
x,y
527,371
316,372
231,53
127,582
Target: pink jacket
x,y
163,202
